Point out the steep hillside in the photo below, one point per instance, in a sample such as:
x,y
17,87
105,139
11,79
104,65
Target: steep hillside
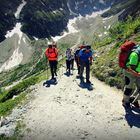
x,y
45,18
106,65
7,18
130,7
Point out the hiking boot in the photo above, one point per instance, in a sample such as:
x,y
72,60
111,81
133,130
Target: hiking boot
x,y
88,82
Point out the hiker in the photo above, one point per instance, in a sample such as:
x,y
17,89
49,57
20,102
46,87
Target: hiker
x,y
85,59
52,55
68,60
131,72
72,60
76,58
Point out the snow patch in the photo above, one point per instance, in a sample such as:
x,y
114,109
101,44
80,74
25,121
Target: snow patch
x,y
20,8
24,39
95,8
108,27
16,30
101,1
70,25
100,35
107,18
71,29
17,56
71,12
35,38
94,14
42,3
13,61
105,33
54,11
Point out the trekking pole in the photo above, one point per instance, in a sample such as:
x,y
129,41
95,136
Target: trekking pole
x,y
136,97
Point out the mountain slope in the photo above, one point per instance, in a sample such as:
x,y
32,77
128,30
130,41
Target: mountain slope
x,y
44,18
7,18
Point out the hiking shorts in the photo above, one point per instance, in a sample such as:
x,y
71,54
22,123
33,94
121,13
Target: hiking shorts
x,y
130,80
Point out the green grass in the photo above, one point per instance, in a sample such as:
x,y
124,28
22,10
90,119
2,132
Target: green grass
x,y
7,106
6,101
106,66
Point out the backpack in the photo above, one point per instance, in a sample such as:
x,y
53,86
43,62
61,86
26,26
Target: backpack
x,y
76,54
125,50
52,54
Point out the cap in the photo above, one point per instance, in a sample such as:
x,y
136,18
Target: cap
x,y
88,47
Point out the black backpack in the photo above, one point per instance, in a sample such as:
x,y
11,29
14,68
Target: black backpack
x,y
76,54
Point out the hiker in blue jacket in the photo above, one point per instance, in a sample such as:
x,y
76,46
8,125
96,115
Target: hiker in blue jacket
x,y
85,59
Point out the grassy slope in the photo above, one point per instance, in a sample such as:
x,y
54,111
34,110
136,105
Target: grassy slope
x,y
106,65
35,71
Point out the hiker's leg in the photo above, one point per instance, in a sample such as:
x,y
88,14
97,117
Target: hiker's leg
x,y
66,65
72,64
51,68
87,71
78,67
137,91
81,69
136,95
56,62
129,81
55,67
69,65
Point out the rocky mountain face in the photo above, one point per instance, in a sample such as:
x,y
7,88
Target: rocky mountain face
x,y
45,18
7,18
126,8
133,10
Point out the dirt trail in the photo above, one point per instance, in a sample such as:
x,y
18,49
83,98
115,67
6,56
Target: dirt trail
x,y
68,112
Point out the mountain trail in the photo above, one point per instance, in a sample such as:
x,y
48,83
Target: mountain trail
x,y
66,111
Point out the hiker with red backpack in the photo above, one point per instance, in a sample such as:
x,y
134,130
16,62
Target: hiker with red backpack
x,y
76,58
51,54
129,60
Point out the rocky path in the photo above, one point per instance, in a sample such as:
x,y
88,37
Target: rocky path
x,y
68,112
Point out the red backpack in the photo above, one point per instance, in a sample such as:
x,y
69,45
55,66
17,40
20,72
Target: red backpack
x,y
125,49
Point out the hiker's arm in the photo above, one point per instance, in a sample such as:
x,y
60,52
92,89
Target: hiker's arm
x,y
56,51
46,56
90,60
46,53
78,60
132,70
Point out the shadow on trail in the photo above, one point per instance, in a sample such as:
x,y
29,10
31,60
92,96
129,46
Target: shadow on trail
x,y
68,74
86,85
132,117
50,82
